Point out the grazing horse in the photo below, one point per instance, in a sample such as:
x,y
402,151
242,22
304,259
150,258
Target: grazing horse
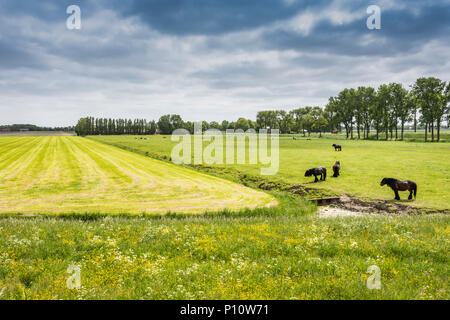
x,y
398,185
322,172
337,147
336,169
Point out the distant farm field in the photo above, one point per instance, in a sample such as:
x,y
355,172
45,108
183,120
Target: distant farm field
x,y
364,165
76,175
36,133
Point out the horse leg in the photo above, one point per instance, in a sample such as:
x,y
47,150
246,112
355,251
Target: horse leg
x,y
397,197
410,195
315,180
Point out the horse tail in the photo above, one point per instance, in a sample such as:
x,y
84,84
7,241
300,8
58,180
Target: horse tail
x,y
415,191
324,173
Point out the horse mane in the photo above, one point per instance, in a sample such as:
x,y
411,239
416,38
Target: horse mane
x,y
390,181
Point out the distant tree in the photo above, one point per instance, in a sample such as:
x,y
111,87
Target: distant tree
x,y
164,125
215,125
242,123
430,95
384,108
367,100
285,122
205,126
176,122
267,119
152,127
297,116
319,122
252,124
401,109
189,126
224,125
345,109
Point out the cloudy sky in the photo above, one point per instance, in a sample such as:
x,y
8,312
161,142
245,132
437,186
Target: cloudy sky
x,y
207,59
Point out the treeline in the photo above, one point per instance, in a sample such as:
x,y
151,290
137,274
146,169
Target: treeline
x,y
385,110
358,111
103,126
165,125
389,108
32,127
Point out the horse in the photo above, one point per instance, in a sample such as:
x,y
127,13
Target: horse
x,y
336,169
322,172
397,185
337,147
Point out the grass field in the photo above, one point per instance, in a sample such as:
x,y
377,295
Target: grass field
x,y
364,164
283,252
287,257
75,175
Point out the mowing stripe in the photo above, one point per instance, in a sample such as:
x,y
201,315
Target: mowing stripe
x,y
76,175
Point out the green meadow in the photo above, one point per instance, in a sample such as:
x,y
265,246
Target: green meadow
x,y
364,164
260,257
121,217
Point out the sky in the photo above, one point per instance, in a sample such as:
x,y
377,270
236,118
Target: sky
x,y
207,59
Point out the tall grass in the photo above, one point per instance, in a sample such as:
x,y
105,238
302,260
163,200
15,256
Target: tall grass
x,y
221,257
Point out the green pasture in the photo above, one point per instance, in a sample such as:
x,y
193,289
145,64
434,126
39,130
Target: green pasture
x,y
364,164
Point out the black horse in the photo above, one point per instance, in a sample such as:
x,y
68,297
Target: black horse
x,y
337,147
336,169
398,185
322,172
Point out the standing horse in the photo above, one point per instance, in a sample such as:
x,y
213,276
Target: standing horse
x,y
337,147
322,172
398,185
336,169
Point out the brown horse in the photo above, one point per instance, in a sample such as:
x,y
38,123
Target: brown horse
x,y
398,185
336,169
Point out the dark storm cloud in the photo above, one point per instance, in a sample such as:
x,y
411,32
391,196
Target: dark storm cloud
x,y
402,31
214,16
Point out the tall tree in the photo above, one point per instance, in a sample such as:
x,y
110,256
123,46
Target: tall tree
x,y
164,125
366,99
430,95
385,107
401,109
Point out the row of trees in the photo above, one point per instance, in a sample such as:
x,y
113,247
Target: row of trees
x,y
385,110
32,127
305,119
96,126
165,125
390,107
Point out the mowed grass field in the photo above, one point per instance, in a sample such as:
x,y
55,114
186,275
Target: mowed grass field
x,y
364,164
55,175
